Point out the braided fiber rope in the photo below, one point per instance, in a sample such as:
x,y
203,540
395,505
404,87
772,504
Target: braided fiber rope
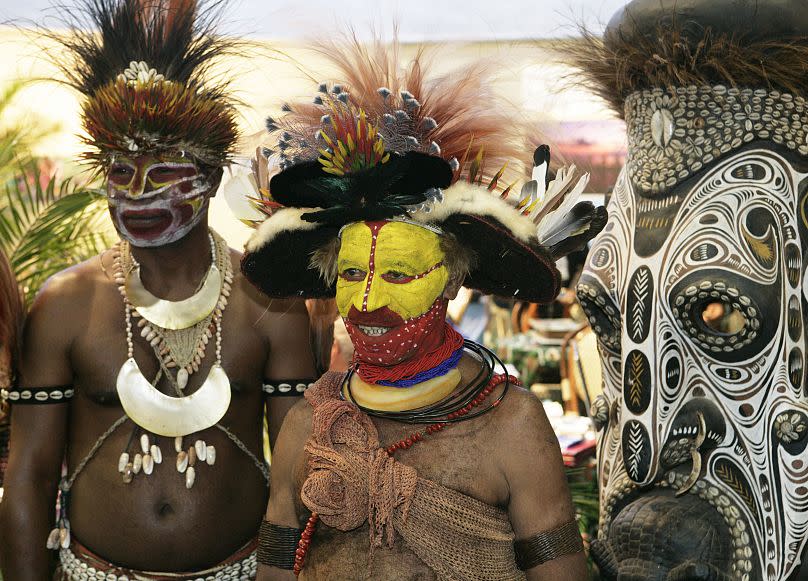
x,y
548,545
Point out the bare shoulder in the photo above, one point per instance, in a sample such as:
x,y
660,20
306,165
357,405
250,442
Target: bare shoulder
x,y
69,290
297,423
521,418
59,316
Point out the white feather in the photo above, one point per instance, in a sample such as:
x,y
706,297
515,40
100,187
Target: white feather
x,y
562,182
237,187
539,176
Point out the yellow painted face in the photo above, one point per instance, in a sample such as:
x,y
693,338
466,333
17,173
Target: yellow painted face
x,y
389,264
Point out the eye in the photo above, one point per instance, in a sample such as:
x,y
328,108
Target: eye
x,y
121,174
722,318
395,276
162,172
167,174
353,274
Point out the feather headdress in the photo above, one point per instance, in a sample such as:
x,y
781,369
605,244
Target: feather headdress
x,y
144,68
383,144
455,116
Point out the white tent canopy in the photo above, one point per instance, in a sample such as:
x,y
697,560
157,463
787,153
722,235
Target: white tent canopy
x,y
419,20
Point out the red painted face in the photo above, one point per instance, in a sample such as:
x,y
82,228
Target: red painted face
x,y
402,339
155,200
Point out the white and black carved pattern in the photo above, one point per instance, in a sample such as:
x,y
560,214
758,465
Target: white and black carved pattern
x,y
605,276
640,296
793,264
751,377
684,428
601,311
599,412
794,318
636,450
795,369
733,240
670,138
672,369
636,382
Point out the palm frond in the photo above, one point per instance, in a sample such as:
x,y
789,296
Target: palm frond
x,y
14,139
46,226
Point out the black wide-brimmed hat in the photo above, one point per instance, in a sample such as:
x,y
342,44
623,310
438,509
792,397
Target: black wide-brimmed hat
x,y
508,260
415,155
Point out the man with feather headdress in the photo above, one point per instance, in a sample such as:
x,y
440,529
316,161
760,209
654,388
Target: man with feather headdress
x,y
425,460
145,369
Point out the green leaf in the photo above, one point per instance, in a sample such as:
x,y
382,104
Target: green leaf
x,y
46,226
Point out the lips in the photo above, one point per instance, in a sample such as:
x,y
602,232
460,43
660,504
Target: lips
x,y
373,325
147,223
383,317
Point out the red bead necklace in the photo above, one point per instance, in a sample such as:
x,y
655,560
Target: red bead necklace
x,y
305,538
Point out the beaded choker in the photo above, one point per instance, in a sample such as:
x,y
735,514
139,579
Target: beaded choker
x,y
440,369
457,406
406,373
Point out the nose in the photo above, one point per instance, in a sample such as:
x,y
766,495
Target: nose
x,y
139,185
374,296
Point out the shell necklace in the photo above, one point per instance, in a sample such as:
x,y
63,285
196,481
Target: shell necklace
x,y
182,346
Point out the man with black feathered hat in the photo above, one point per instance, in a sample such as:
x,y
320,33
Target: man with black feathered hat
x,y
425,460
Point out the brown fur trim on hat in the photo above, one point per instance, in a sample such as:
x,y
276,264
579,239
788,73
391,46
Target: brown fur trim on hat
x,y
617,65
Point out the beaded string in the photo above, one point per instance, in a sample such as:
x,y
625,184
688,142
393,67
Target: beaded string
x,y
448,409
304,543
130,347
178,348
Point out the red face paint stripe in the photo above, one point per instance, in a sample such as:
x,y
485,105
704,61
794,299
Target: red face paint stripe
x,y
374,231
407,279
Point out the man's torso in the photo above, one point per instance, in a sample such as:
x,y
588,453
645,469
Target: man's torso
x,y
462,457
158,523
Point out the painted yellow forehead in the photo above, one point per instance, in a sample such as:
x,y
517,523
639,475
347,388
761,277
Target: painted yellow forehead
x,y
398,249
408,244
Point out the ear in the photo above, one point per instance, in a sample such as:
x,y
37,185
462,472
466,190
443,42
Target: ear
x,y
453,287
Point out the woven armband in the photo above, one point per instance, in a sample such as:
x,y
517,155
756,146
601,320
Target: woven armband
x,y
37,395
548,545
283,387
277,545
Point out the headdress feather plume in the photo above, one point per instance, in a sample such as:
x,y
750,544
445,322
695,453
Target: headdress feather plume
x,y
452,117
144,67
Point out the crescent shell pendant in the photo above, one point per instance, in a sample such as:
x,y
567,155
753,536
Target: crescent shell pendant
x,y
169,416
174,314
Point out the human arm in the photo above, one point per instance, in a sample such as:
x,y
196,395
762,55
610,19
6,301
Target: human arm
x,y
540,500
38,435
287,460
290,356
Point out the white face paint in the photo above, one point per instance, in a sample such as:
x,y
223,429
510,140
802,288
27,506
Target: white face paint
x,y
696,298
156,201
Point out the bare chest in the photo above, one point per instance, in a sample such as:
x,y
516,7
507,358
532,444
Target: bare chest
x,y
162,503
100,349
